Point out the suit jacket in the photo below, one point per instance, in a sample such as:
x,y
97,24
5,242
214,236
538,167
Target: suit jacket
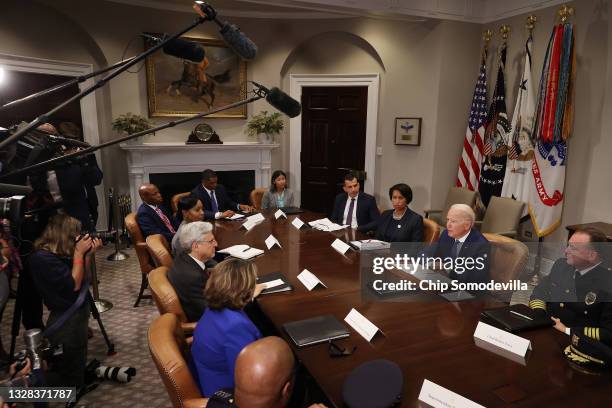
x,y
269,199
189,280
224,202
583,303
151,224
367,211
411,227
474,246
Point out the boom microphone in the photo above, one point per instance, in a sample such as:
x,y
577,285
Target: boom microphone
x,y
68,142
231,34
280,100
180,48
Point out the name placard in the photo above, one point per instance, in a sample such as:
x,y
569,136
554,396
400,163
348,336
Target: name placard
x,y
340,246
501,342
309,280
271,241
256,218
297,223
280,213
436,396
361,324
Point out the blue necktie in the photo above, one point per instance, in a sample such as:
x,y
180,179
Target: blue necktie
x,y
456,248
213,200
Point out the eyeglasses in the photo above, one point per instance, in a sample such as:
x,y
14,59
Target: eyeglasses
x,y
335,350
209,241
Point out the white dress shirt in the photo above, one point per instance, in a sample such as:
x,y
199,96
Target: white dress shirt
x,y
353,221
200,263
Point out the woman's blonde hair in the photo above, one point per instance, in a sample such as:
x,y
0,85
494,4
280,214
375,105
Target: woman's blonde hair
x,y
231,284
59,235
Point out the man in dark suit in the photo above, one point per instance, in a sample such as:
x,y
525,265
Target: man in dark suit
x,y
577,294
188,274
461,240
354,208
152,217
217,203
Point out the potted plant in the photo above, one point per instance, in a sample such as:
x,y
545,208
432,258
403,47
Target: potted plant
x,y
130,123
265,125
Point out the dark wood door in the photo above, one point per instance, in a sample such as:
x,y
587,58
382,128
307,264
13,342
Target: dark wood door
x,y
333,141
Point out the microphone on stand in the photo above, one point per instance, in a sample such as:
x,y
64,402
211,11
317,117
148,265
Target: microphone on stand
x,y
180,48
280,100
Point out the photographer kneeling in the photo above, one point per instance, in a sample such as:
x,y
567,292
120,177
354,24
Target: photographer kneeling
x,y
58,270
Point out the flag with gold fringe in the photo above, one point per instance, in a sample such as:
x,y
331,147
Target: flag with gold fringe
x,y
554,115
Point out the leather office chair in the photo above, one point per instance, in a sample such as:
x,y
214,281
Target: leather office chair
x,y
175,199
256,197
508,260
502,217
144,259
166,299
456,195
170,352
431,231
159,249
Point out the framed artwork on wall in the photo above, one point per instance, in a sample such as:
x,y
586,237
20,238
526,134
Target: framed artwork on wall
x,y
408,131
178,87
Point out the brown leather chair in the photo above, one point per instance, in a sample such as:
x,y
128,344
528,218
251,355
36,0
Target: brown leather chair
x,y
431,231
144,259
508,259
165,297
502,216
456,195
159,249
256,197
175,199
170,352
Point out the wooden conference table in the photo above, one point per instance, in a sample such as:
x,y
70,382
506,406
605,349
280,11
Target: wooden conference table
x,y
429,340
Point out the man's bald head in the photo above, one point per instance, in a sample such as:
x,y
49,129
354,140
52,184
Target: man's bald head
x,y
264,374
149,193
47,128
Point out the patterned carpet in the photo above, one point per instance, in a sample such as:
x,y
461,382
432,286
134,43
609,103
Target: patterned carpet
x,y
127,327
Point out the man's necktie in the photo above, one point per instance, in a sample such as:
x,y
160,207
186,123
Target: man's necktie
x,y
165,219
349,216
456,248
213,200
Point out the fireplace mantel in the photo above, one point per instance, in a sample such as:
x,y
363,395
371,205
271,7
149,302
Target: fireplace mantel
x,y
148,158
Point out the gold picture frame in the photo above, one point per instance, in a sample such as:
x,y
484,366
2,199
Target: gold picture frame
x,y
175,87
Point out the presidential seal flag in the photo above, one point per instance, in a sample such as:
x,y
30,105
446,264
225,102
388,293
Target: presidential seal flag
x,y
470,162
520,143
496,136
552,130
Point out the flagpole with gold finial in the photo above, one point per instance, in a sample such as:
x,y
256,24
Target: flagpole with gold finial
x,y
565,13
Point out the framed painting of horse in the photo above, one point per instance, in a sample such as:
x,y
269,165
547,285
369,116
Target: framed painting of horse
x,y
178,87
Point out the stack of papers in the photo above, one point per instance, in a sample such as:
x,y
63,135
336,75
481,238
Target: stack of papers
x,y
370,244
324,224
242,251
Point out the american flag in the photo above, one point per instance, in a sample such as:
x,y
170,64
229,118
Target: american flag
x,y
472,155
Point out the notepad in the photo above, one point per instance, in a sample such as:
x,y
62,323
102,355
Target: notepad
x,y
370,244
242,251
275,282
324,224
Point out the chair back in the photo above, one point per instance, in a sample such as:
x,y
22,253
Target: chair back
x,y
170,353
175,199
508,258
431,231
502,216
144,259
158,247
256,197
164,295
456,195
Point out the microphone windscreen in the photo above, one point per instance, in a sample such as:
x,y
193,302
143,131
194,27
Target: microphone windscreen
x,y
284,102
185,49
238,41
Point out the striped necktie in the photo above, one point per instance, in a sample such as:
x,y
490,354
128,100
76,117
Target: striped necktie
x,y
165,219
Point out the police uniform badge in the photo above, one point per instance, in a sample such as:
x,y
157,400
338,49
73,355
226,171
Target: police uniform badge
x,y
590,298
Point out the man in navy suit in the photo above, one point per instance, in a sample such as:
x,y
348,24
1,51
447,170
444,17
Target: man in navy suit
x,y
461,240
217,203
354,208
152,217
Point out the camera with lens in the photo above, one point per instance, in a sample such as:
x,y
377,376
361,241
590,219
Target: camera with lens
x,y
37,350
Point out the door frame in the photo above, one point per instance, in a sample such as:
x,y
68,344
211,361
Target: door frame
x,y
89,111
296,83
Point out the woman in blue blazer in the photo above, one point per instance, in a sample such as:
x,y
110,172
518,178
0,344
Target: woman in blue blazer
x,y
400,224
224,329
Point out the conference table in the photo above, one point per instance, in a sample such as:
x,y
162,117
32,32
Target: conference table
x,y
430,340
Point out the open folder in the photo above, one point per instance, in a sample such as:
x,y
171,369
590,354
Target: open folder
x,y
275,282
242,251
315,330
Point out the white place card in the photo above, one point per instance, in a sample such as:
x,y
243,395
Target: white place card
x,y
361,325
280,213
309,279
256,218
271,241
340,246
436,396
248,224
273,284
297,223
501,339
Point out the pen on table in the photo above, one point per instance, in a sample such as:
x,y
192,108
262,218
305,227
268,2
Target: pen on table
x,y
246,249
521,315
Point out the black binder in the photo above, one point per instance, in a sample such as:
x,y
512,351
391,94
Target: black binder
x,y
523,318
273,276
315,330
